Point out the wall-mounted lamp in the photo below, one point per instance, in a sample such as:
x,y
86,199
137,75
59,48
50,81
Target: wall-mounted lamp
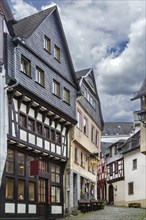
x,y
142,117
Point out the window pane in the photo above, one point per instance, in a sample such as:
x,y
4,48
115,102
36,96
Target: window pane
x,y
52,135
58,137
42,190
66,95
9,193
79,124
21,164
57,194
31,124
39,128
10,162
47,44
20,190
31,191
56,88
25,66
57,52
85,126
22,120
40,76
46,133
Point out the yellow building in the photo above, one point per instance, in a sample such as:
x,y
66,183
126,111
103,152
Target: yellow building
x,y
81,171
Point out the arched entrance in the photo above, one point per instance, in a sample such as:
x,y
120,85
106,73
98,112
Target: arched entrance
x,y
111,194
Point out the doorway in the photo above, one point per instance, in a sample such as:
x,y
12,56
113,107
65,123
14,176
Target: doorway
x,y
111,194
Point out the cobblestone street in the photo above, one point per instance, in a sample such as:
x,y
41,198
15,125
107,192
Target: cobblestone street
x,y
112,213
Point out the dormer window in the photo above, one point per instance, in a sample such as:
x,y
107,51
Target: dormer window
x,y
57,52
25,66
47,44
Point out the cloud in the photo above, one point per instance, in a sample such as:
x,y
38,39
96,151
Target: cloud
x,y
110,37
22,9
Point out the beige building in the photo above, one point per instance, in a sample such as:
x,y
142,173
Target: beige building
x,y
85,143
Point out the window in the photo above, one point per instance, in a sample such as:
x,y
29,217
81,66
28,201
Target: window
x,y
25,66
130,188
10,162
40,76
22,120
41,191
39,128
52,135
79,119
55,194
21,164
93,134
134,164
116,149
57,52
47,44
58,137
111,169
55,173
89,167
47,132
20,190
9,192
31,191
85,126
97,138
30,124
56,88
43,166
116,167
30,158
110,153
66,95
82,159
76,155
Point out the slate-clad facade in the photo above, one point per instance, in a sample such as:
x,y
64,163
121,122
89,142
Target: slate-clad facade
x,y
41,89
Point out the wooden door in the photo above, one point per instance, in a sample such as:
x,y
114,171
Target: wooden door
x,y
111,194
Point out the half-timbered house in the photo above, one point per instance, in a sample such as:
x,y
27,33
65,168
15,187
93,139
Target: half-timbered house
x,y
115,174
41,90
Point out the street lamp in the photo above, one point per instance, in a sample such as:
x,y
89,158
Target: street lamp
x,y
142,117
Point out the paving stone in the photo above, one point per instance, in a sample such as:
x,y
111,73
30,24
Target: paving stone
x,y
112,213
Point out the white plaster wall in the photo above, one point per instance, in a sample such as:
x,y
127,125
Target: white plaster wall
x,y
137,176
9,208
56,209
31,113
23,108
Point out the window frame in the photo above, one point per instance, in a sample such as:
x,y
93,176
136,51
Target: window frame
x,y
47,44
76,155
131,188
66,92
25,69
134,164
40,76
93,134
85,126
57,53
56,88
79,119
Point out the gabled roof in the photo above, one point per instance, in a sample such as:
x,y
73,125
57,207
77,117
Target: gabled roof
x,y
25,27
81,73
141,92
131,143
117,128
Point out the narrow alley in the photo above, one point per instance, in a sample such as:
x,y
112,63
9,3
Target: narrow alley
x,y
112,213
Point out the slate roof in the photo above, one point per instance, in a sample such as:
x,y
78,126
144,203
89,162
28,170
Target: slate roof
x,y
131,143
141,92
120,128
26,26
82,73
105,148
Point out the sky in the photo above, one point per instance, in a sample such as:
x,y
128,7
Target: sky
x,y
108,36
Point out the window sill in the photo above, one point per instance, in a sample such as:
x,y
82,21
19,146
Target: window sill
x,y
82,166
57,96
48,51
66,103
26,74
57,60
40,84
